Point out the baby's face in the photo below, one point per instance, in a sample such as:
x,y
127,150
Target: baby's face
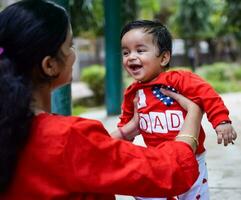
x,y
140,55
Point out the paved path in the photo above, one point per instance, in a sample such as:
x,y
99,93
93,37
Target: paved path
x,y
224,163
80,90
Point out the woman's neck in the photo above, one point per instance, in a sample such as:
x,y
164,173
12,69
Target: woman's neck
x,y
41,101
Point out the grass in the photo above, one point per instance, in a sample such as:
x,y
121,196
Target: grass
x,y
78,109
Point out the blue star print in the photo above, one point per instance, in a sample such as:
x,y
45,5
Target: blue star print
x,y
168,101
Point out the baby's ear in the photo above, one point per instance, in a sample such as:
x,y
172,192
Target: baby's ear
x,y
165,58
50,66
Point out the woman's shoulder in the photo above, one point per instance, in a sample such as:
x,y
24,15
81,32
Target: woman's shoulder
x,y
59,125
57,119
52,134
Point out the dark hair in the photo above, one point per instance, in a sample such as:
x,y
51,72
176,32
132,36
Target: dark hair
x,y
161,36
29,31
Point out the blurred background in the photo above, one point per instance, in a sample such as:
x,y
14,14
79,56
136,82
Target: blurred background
x,y
206,39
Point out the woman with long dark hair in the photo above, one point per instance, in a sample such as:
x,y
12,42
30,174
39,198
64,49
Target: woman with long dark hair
x,y
49,156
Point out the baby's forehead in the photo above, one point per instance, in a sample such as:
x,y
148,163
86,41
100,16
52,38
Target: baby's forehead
x,y
144,30
141,32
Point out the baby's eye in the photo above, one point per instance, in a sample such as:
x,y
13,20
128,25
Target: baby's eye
x,y
141,50
125,53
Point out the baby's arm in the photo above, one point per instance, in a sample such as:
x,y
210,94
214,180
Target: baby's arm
x,y
127,121
129,131
206,97
128,128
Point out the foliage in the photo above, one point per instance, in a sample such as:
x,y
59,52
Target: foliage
x,y
225,87
129,10
94,76
87,17
78,109
148,8
166,10
237,73
193,19
233,16
216,72
217,18
224,77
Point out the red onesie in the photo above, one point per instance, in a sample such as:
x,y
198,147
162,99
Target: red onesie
x,y
73,158
160,122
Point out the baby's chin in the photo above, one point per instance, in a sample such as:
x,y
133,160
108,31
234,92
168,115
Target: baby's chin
x,y
141,80
145,80
140,77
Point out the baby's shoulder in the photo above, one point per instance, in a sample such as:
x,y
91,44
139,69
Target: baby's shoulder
x,y
178,72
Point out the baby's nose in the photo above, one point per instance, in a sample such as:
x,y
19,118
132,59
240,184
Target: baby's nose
x,y
132,55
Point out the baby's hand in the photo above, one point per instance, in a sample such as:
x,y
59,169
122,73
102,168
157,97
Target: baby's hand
x,y
225,133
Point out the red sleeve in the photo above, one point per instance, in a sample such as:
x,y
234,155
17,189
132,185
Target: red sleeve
x,y
198,90
97,163
127,106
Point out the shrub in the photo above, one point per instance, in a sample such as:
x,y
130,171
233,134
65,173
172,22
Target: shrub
x,y
94,76
215,72
225,87
237,73
78,109
224,77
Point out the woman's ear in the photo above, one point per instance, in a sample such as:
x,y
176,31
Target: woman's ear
x,y
165,58
50,66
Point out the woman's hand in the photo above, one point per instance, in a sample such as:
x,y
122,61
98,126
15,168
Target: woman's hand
x,y
191,127
184,102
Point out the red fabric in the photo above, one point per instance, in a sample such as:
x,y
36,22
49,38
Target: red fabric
x,y
188,84
73,158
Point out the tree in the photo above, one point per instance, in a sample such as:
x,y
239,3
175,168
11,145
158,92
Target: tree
x,y
148,8
129,10
166,10
87,16
193,23
233,22
233,14
87,19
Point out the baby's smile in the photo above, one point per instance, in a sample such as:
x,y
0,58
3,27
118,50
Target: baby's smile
x,y
135,67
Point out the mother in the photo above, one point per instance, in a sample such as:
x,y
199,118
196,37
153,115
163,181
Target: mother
x,y
48,156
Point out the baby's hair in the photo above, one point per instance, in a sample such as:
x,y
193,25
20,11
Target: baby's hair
x,y
30,30
161,36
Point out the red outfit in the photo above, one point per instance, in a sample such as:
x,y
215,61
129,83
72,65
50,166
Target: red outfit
x,y
73,158
158,118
